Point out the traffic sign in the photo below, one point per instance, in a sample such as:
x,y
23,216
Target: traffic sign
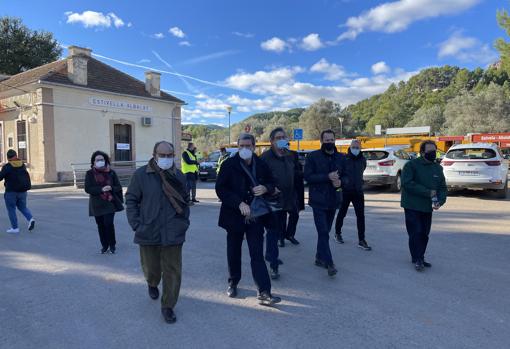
x,y
298,134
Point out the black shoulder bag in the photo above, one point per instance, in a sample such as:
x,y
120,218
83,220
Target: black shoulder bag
x,y
259,205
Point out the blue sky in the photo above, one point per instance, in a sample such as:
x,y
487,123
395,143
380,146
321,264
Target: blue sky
x,y
263,55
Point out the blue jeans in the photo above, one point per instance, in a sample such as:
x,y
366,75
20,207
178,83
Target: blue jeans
x,y
323,223
271,223
15,200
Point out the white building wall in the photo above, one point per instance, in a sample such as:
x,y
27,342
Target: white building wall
x,y
81,127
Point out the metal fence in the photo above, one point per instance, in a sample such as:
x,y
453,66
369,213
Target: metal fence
x,y
124,170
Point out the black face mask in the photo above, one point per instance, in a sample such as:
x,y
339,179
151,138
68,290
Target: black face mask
x,y
329,147
430,156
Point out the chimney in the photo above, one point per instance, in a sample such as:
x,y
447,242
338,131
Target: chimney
x,y
152,83
77,64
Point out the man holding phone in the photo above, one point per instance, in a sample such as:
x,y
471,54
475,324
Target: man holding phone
x,y
324,171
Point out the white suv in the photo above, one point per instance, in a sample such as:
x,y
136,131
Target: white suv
x,y
384,166
476,166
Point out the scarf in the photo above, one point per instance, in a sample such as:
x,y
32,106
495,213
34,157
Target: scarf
x,y
15,162
172,187
103,178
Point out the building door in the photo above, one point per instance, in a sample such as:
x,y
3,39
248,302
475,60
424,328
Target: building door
x,y
122,136
21,131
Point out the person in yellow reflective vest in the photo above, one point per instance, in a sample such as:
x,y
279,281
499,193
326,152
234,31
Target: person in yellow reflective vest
x,y
223,156
190,170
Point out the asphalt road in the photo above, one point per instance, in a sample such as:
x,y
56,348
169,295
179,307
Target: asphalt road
x,y
57,291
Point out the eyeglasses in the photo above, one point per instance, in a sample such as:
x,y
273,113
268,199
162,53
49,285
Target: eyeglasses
x,y
165,155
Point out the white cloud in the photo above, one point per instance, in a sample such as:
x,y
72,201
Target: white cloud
x,y
312,42
117,22
280,87
197,113
244,35
247,105
143,60
177,32
158,36
466,49
212,104
331,71
274,44
185,43
263,81
90,19
392,17
380,68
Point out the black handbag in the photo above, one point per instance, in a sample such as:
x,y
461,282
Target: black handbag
x,y
260,206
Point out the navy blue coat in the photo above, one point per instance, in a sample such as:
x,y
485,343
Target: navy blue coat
x,y
233,186
318,165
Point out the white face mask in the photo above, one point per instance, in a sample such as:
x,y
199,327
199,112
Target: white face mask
x,y
165,163
355,151
100,164
245,153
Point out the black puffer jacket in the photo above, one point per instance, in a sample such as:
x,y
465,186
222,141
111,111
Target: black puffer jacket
x,y
354,168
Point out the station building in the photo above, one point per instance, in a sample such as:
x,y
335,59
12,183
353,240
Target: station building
x,y
60,113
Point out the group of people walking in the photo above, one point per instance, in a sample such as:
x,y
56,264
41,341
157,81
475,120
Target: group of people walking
x,y
260,201
266,193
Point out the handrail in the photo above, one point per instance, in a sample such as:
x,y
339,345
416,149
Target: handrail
x,y
83,167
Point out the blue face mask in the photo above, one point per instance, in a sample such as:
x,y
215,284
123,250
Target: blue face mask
x,y
355,151
282,144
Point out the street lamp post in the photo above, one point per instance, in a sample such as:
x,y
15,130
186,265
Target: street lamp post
x,y
341,119
229,110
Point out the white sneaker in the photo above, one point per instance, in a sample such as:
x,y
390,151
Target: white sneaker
x,y
13,231
31,225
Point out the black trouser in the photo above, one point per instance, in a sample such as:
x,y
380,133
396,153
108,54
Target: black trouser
x,y
418,226
191,184
255,238
288,222
323,222
106,230
358,201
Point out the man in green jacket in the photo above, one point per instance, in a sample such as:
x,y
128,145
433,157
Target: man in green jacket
x,y
423,191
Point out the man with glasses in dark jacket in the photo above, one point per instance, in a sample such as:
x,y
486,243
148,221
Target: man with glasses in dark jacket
x,y
324,172
243,180
352,186
157,201
281,163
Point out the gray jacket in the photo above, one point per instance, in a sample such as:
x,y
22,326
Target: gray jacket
x,y
150,213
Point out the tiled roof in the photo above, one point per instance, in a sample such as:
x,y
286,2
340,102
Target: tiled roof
x,y
100,77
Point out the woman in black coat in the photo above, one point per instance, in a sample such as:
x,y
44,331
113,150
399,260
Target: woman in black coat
x,y
105,190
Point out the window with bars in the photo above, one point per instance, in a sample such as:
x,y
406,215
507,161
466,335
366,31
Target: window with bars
x,y
21,129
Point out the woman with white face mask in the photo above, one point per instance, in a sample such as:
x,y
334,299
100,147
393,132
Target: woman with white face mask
x,y
105,191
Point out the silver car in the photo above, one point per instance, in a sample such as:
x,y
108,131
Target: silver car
x,y
384,166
